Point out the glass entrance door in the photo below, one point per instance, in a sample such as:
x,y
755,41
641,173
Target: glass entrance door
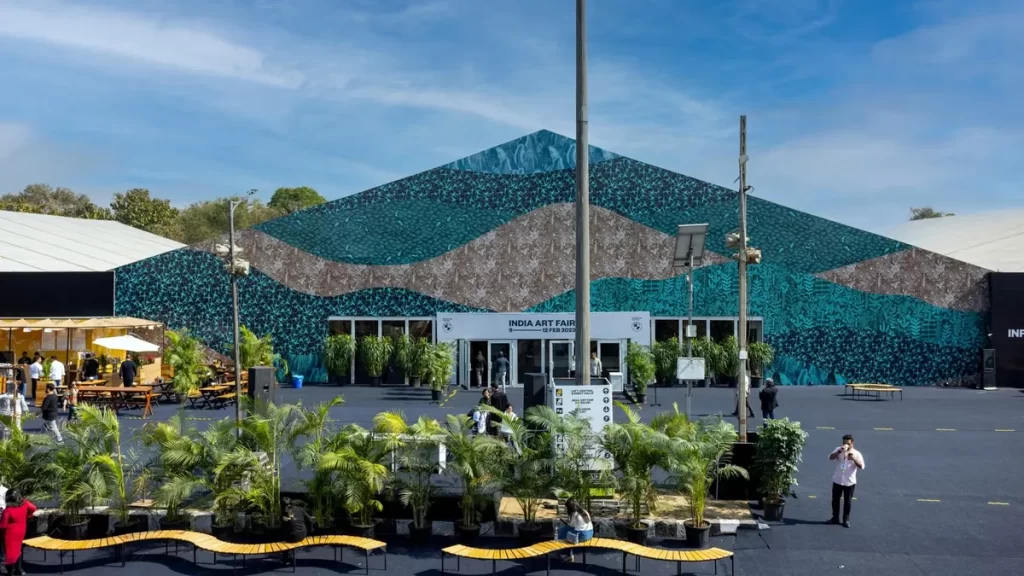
x,y
610,353
561,358
501,362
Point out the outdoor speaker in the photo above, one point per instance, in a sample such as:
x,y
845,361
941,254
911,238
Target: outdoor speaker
x,y
535,390
263,383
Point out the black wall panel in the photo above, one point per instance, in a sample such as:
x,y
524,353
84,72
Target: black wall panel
x,y
56,294
1006,325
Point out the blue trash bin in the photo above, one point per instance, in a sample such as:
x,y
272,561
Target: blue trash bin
x,y
297,381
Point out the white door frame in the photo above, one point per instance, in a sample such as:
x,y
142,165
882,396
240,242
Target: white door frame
x,y
551,354
511,357
622,358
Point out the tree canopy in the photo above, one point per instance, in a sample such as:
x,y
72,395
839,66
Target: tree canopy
x,y
927,212
136,208
45,199
289,200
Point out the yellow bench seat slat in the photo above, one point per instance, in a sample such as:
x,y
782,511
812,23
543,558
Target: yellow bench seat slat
x,y
550,546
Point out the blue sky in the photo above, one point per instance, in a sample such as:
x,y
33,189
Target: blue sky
x,y
857,110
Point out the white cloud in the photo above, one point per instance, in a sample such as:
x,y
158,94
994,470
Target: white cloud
x,y
187,47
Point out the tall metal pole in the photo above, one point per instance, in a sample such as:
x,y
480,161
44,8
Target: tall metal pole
x,y
742,336
689,340
582,202
234,307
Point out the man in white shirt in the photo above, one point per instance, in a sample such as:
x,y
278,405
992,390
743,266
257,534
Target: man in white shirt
x,y
35,371
844,479
56,371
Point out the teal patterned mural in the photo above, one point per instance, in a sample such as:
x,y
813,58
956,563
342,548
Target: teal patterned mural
x,y
879,320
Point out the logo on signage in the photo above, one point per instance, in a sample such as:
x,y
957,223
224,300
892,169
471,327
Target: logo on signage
x,y
446,326
1016,333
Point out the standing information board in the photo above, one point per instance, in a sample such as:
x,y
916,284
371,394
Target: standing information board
x,y
590,403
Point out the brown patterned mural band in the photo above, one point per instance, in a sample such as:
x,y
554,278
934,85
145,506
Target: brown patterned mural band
x,y
532,259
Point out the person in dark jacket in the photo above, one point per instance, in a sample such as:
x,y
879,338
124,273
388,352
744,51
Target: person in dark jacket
x,y
296,524
499,400
769,402
91,367
50,407
128,372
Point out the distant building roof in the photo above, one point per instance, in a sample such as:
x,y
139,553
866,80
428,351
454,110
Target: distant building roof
x,y
43,243
992,240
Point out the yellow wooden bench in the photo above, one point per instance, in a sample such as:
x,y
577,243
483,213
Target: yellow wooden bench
x,y
552,546
878,389
207,542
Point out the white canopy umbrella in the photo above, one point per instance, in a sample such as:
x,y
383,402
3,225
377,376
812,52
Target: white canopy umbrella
x,y
126,343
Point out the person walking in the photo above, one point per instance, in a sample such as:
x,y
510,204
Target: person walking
x,y
769,401
579,527
72,401
479,367
127,371
50,408
56,371
501,370
480,413
848,461
35,372
14,523
595,365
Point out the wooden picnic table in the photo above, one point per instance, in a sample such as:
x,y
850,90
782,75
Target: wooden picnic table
x,y
214,395
164,390
120,396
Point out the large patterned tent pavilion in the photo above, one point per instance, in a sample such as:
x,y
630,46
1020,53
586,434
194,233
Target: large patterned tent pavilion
x,y
493,234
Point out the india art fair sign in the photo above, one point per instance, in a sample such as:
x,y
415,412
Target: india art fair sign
x,y
635,326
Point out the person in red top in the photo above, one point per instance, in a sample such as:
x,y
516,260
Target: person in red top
x,y
14,522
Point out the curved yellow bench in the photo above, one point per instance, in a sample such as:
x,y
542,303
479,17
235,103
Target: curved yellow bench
x,y
627,548
207,542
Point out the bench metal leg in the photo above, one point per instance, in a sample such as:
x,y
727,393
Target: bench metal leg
x,y
442,562
494,567
733,557
194,549
367,561
584,556
624,563
716,566
385,559
124,552
61,554
548,556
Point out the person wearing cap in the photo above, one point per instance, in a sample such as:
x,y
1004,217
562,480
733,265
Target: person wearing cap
x,y
769,399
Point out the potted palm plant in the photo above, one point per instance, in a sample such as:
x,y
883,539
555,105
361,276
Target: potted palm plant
x,y
442,365
761,355
401,354
116,472
575,473
338,352
75,485
259,351
375,352
419,361
474,463
666,354
361,458
728,361
698,456
418,462
780,444
25,465
184,354
640,363
636,449
711,352
315,428
179,456
526,469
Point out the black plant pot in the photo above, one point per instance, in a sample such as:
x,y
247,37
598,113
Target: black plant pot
x,y
76,531
755,381
637,535
530,534
467,535
697,536
641,398
415,382
773,511
132,526
420,536
184,523
363,531
375,381
435,395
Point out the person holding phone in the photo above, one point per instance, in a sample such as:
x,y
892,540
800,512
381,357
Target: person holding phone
x,y
848,461
578,528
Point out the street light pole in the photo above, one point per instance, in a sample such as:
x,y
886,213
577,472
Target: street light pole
x,y
582,202
689,326
232,204
741,338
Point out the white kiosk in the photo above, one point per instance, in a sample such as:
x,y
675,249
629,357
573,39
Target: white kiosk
x,y
537,342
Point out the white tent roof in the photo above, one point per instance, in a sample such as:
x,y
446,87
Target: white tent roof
x,y
43,243
991,240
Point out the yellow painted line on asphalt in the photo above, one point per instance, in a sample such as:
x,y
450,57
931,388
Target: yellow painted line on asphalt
x,y
927,500
826,427
999,503
883,429
945,429
812,496
1005,430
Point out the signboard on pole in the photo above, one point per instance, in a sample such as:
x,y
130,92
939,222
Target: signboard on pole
x,y
689,368
590,403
